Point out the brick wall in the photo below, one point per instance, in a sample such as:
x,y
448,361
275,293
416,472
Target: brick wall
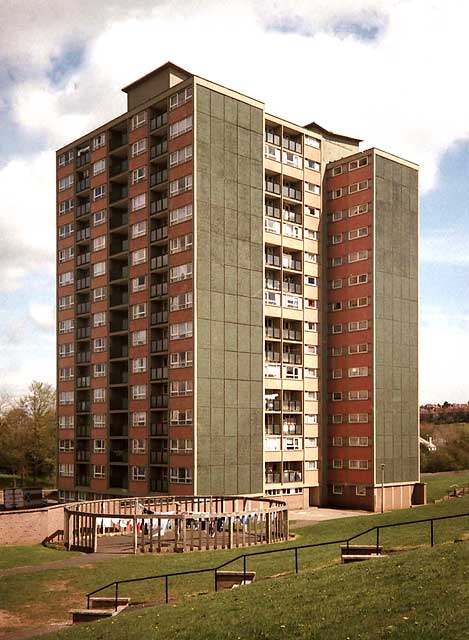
x,y
30,526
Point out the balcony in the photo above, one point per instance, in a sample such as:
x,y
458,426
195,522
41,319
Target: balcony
x,y
119,274
159,373
118,139
292,358
122,352
272,332
159,177
83,407
83,283
272,138
118,194
291,192
159,205
118,219
290,428
119,455
118,300
83,431
158,457
83,357
121,377
83,234
161,317
83,308
272,405
159,429
272,187
159,262
157,346
272,226
118,168
292,287
82,159
159,121
291,145
272,260
292,406
82,481
272,371
159,486
292,231
83,382
292,476
158,149
272,478
83,455
83,333
160,233
159,402
82,210
159,290
83,184
120,246
118,325
83,258
290,334
290,263
118,430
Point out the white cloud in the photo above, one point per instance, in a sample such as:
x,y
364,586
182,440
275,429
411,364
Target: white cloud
x,y
43,315
445,246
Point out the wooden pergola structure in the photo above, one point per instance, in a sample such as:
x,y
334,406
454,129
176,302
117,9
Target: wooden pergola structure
x,y
177,524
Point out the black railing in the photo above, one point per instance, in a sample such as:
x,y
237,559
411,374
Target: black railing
x,y
295,549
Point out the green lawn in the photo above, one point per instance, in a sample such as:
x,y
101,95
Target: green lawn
x,y
30,595
422,594
439,483
26,555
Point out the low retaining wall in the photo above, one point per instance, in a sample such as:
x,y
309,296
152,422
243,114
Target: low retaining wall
x,y
30,526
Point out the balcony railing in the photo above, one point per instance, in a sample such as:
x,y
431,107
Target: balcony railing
x,y
159,345
159,402
118,194
292,358
159,262
158,121
272,478
83,407
83,332
83,234
159,429
292,287
82,159
292,406
82,308
83,184
119,167
119,274
159,205
272,405
158,457
159,290
291,192
82,481
83,431
83,455
274,261
291,263
82,210
159,373
272,187
83,258
292,476
272,332
83,283
160,486
158,149
290,334
83,357
83,381
119,455
158,177
159,318
160,233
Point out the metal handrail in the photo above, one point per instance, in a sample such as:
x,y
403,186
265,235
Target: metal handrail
x,y
296,548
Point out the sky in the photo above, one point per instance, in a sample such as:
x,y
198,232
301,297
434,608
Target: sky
x,y
392,72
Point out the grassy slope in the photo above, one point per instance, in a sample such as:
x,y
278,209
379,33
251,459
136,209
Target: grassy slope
x,y
31,594
439,483
26,555
422,594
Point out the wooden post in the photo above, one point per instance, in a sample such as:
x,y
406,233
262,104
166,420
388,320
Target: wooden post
x,y
66,529
151,534
230,532
134,520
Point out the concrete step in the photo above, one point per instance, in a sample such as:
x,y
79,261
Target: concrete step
x,y
230,579
107,602
360,557
360,549
90,615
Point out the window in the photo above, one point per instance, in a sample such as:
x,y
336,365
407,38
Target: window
x,y
362,465
99,370
336,193
139,229
337,464
337,489
138,175
99,269
312,142
336,216
99,243
292,159
337,441
358,395
181,330
312,211
357,372
99,217
336,374
358,186
359,279
360,490
311,418
181,446
139,283
66,182
355,164
139,256
336,328
180,359
65,278
179,417
336,261
99,294
313,188
66,254
139,338
138,120
139,445
337,238
336,171
358,210
139,473
357,418
358,348
65,206
336,395
66,422
360,325
180,388
180,98
356,256
66,230
139,365
337,418
66,397
271,152
66,373
66,302
337,351
358,441
99,471
139,147
65,158
362,232
138,202
99,167
66,326
311,235
99,141
181,243
99,395
311,442
355,303
311,257
139,419
99,446
139,310
311,281
181,272
99,420
180,127
311,349
311,326
99,192
180,185
66,350
139,391
311,465
182,301
180,156
66,470
312,164
180,475
180,215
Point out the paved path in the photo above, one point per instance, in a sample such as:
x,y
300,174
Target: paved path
x,y
313,515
